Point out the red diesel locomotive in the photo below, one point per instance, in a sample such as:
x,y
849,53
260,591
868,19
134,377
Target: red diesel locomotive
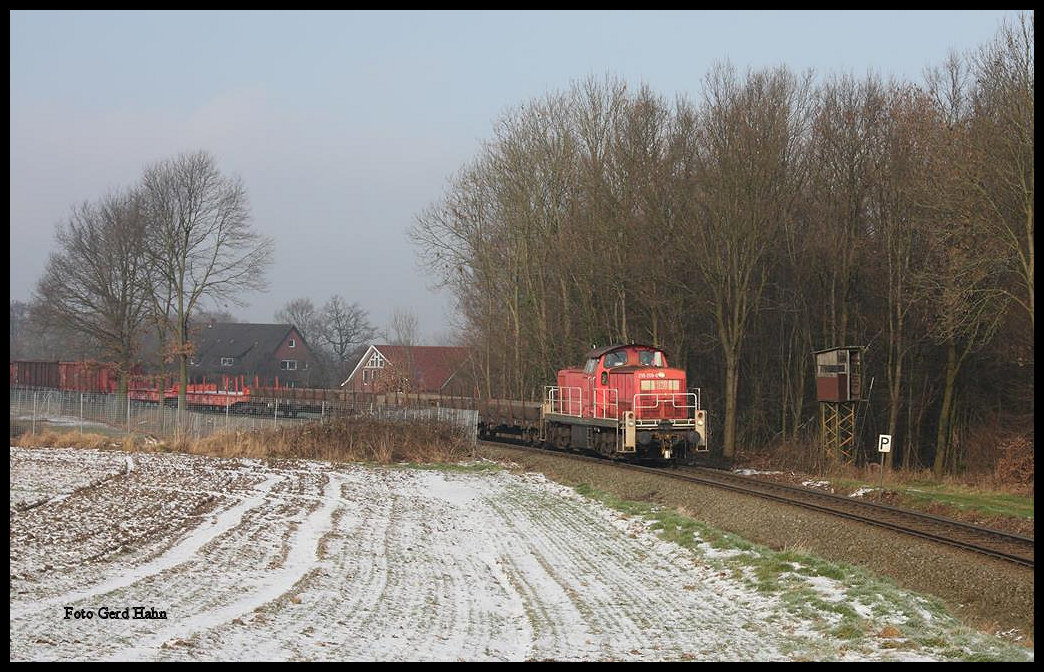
x,y
625,403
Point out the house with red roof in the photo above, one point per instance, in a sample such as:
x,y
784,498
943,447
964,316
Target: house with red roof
x,y
411,369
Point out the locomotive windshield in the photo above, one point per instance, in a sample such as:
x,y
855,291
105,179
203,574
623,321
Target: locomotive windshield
x,y
650,358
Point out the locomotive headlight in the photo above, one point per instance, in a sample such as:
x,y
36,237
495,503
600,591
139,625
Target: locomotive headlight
x,y
699,421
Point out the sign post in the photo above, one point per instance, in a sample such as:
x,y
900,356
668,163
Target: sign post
x,y
884,445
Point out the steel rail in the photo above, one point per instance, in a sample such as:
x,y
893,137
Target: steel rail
x,y
832,504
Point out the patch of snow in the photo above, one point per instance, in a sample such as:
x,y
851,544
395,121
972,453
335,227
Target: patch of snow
x,y
64,420
300,560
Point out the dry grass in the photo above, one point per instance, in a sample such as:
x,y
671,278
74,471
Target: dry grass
x,y
346,440
1010,469
51,438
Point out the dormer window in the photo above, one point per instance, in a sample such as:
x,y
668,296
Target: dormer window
x,y
291,343
376,361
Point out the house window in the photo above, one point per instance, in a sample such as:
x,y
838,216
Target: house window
x,y
288,365
376,361
291,343
228,361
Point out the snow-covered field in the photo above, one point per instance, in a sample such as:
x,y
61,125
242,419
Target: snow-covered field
x,y
251,560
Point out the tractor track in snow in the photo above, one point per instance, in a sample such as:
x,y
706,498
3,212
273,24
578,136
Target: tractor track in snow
x,y
294,560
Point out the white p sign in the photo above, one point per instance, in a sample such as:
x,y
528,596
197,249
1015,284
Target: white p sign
x,y
884,443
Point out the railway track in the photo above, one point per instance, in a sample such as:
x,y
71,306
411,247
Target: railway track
x,y
1009,547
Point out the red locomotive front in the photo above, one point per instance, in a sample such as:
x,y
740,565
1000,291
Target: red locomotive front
x,y
627,400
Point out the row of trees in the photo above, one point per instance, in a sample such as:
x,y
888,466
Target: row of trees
x,y
775,216
147,258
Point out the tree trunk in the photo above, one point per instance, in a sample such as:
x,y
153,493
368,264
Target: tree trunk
x,y
942,439
731,392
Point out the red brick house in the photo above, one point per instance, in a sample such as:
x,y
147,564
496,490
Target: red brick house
x,y
411,369
268,351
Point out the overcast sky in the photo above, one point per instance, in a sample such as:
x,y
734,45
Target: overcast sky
x,y
344,125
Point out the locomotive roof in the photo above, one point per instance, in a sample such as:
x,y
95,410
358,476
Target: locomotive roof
x,y
598,352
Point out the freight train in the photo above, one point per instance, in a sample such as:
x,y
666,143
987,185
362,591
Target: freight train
x,y
227,394
624,403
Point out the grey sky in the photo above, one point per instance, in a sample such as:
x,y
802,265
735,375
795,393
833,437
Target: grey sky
x,y
344,125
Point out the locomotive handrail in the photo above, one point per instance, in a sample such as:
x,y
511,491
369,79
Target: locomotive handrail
x,y
664,398
558,400
609,400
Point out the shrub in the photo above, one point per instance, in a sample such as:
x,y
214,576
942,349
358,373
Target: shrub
x,y
1015,464
341,440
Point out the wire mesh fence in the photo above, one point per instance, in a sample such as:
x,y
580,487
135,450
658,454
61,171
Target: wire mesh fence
x,y
33,409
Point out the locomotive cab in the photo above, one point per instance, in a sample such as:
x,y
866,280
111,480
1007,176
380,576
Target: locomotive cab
x,y
626,402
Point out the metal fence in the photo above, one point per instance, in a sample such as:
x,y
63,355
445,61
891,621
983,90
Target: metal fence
x,y
34,408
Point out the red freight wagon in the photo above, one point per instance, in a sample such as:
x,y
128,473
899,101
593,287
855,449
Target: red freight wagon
x,y
34,374
87,377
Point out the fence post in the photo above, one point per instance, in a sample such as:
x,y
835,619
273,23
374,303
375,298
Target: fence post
x,y
226,415
81,412
275,414
128,414
34,412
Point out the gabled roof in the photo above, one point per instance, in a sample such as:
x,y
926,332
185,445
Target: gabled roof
x,y
433,365
250,344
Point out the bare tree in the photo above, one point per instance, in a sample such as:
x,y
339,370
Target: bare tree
x,y
749,175
311,324
207,315
404,330
20,329
962,284
200,243
999,165
345,326
898,219
32,340
302,314
96,282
